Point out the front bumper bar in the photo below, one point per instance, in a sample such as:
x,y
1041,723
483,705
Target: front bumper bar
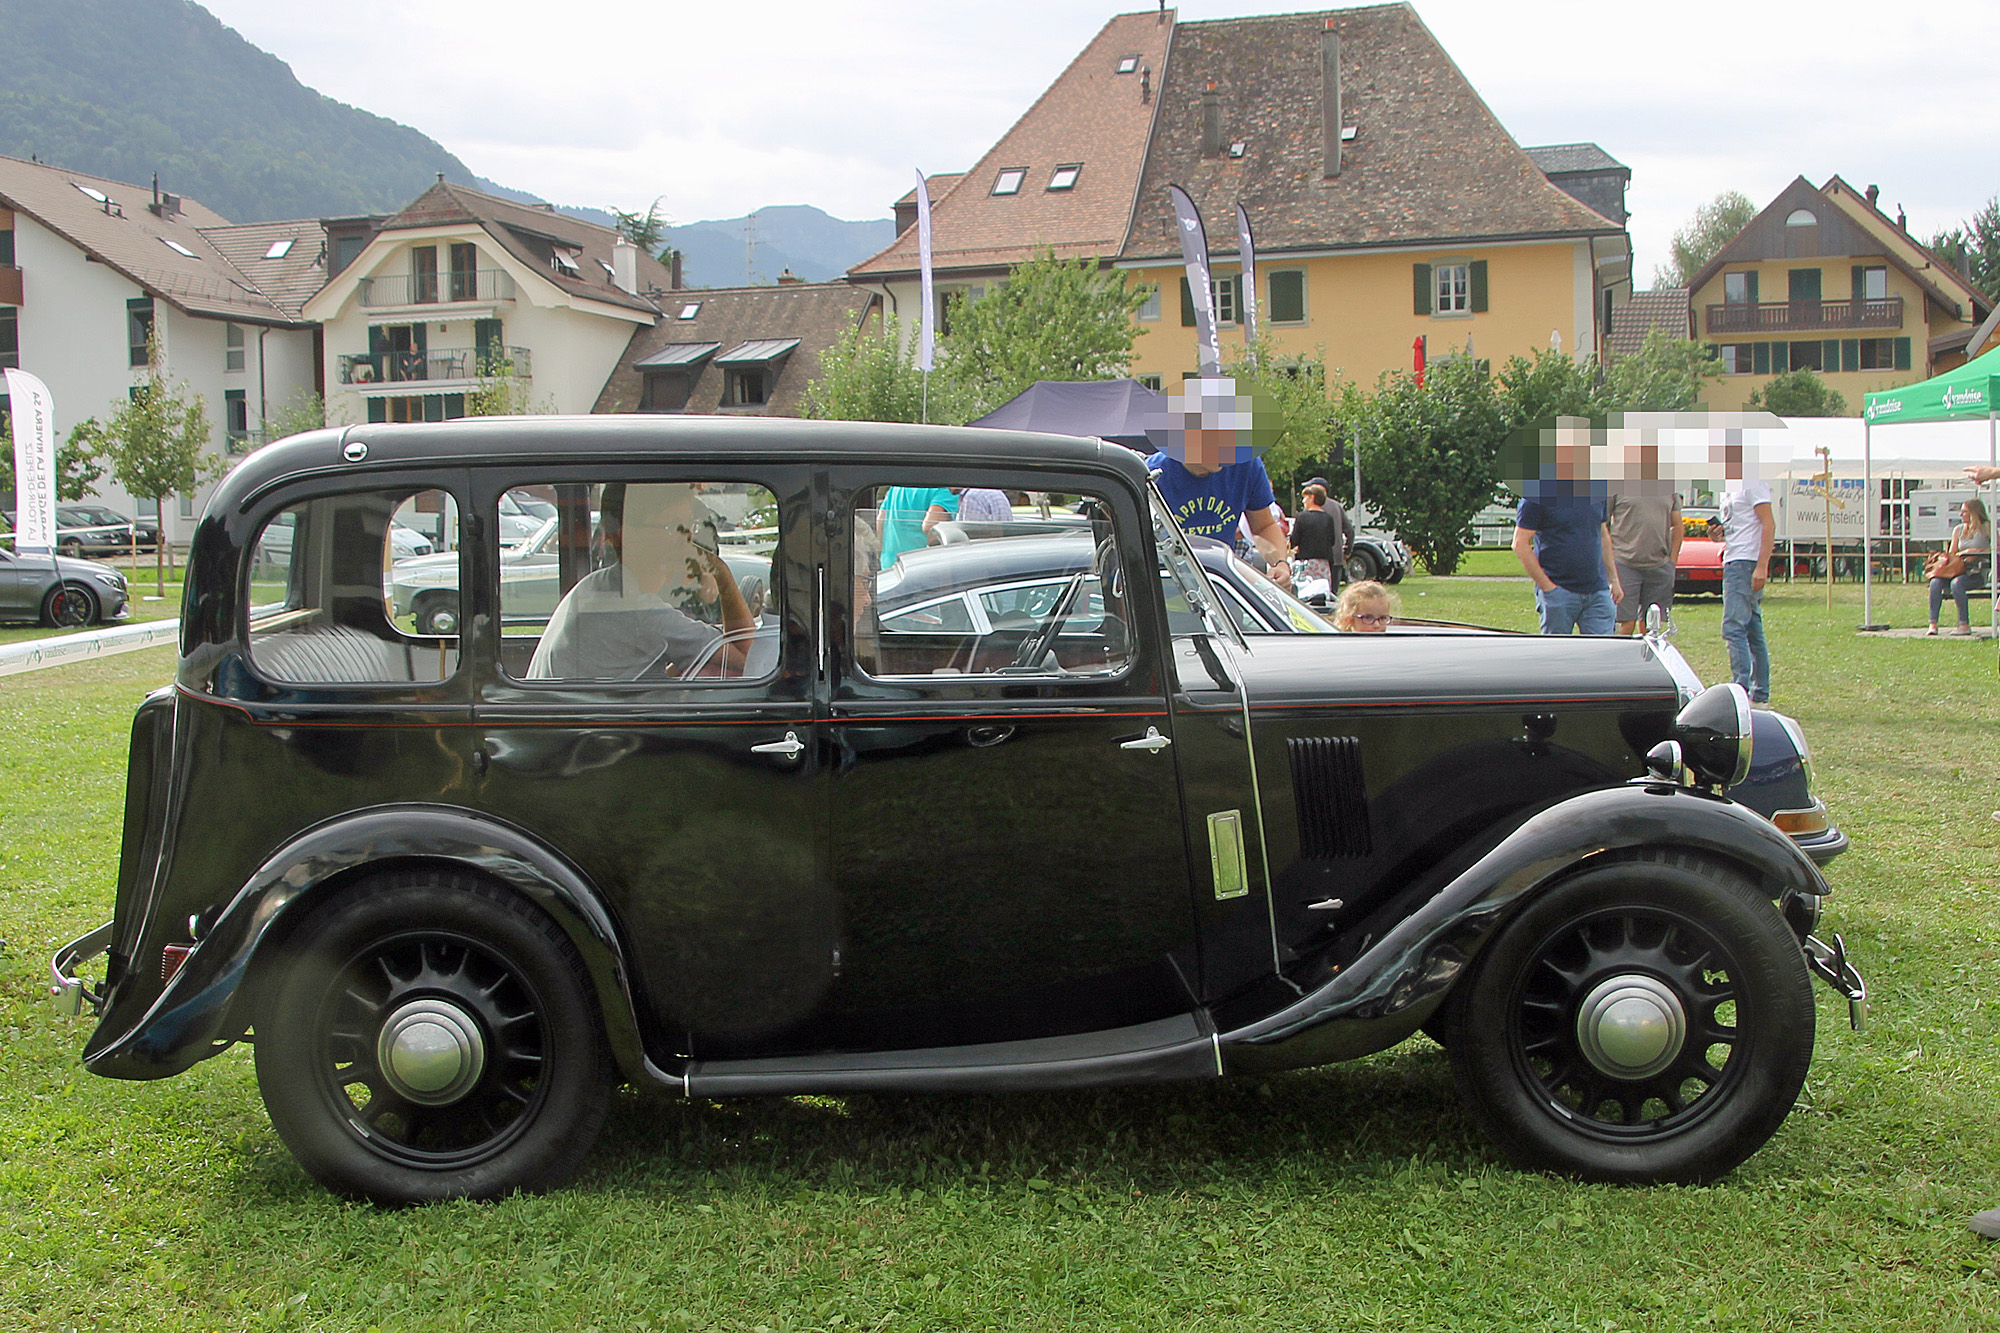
x,y
1830,964
65,987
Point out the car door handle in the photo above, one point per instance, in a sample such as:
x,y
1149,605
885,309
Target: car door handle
x,y
1152,740
790,747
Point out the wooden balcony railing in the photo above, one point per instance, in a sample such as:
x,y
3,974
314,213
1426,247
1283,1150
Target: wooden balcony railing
x,y
1805,316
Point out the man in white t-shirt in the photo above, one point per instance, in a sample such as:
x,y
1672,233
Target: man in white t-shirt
x,y
1748,532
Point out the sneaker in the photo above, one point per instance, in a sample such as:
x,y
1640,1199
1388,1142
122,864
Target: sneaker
x,y
1931,633
1986,1224
1962,632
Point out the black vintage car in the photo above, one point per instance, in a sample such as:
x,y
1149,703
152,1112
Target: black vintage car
x,y
1095,836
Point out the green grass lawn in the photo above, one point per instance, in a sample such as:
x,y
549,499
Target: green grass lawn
x,y
1348,1198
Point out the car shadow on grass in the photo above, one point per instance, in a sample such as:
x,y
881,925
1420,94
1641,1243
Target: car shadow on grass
x,y
1358,1119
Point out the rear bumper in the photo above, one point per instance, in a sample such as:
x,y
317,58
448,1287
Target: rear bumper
x,y
70,992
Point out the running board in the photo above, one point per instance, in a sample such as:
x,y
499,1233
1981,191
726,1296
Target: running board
x,y
1167,1050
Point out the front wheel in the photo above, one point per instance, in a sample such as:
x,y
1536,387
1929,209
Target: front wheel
x,y
1646,1021
1362,566
432,1037
69,605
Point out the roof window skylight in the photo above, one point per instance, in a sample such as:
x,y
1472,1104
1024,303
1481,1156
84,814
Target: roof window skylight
x,y
690,310
177,247
1064,177
279,249
98,196
1128,64
565,263
609,271
1009,180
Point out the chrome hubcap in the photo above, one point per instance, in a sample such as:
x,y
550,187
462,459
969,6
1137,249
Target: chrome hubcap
x,y
431,1052
1631,1026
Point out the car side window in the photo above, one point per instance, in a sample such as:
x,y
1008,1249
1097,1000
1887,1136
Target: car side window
x,y
640,581
978,581
321,585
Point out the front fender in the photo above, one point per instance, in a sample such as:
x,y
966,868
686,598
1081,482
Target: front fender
x,y
1397,982
205,1006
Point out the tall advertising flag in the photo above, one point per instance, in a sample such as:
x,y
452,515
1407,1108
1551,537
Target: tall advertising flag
x,y
1249,293
1194,253
927,335
34,462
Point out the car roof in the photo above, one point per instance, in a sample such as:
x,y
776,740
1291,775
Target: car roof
x,y
934,571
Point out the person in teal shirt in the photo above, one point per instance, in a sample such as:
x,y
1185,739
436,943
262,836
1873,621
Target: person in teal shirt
x,y
908,515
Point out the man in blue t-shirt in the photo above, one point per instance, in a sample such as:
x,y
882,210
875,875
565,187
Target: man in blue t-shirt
x,y
1563,539
1210,480
908,515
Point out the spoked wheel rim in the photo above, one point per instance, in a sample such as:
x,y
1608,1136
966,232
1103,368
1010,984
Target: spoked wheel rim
x,y
69,607
1630,1025
430,1048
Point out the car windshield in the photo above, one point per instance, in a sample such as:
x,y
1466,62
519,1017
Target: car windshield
x,y
1289,609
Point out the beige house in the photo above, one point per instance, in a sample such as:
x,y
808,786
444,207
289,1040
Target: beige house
x,y
458,287
1823,280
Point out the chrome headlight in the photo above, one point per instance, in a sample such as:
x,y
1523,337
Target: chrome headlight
x,y
1714,733
110,578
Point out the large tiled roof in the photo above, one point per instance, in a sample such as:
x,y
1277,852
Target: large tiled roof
x,y
1429,163
1664,308
1091,115
1559,158
288,279
815,313
529,233
129,237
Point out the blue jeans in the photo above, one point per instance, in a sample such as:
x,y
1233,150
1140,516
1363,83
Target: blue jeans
x,y
1973,577
1564,611
1743,630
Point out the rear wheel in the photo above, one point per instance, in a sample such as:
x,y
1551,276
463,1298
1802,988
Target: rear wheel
x,y
437,613
71,547
1646,1021
69,605
432,1037
1362,565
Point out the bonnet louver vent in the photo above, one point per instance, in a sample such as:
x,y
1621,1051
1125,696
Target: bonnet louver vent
x,y
1332,798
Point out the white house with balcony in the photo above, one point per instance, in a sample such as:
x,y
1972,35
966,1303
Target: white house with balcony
x,y
93,271
461,287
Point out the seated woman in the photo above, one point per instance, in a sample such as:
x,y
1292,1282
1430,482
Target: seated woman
x,y
633,618
1972,541
1365,608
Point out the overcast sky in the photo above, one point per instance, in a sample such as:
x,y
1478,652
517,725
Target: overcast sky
x,y
725,108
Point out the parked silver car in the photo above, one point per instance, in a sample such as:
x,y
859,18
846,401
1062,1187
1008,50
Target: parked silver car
x,y
59,591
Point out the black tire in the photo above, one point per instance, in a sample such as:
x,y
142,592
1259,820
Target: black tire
x,y
1396,574
69,605
1362,565
437,613
1639,940
504,1078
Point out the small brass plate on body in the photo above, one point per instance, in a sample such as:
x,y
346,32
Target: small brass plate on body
x,y
1225,853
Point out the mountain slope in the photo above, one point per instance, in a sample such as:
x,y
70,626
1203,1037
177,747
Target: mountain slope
x,y
124,88
811,243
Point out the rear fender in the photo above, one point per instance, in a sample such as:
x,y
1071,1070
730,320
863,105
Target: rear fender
x,y
207,1004
1399,980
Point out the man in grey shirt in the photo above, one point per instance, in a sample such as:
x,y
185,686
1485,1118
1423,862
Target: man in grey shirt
x,y
1646,535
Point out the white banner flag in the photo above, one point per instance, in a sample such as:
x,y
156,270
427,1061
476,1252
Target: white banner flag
x,y
1194,255
1248,296
927,332
34,462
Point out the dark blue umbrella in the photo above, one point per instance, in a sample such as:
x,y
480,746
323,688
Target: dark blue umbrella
x,y
1115,410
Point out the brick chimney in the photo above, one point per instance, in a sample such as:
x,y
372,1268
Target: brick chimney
x,y
789,278
1331,115
1211,122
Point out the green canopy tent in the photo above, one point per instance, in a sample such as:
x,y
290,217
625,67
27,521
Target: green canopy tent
x,y
1965,393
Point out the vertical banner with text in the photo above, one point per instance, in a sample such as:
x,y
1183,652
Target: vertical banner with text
x,y
927,330
1194,253
34,462
1248,296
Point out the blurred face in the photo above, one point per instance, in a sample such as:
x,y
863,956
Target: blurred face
x,y
1205,450
660,551
1370,616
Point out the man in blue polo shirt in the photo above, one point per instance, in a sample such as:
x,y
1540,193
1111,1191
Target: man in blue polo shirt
x,y
1210,476
1563,540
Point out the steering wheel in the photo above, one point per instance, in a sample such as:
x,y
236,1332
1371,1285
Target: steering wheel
x,y
1033,650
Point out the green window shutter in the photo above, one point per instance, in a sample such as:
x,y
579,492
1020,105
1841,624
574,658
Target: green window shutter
x,y
1421,282
1829,355
378,340
378,409
1902,353
454,406
1750,286
419,339
1860,284
1187,304
1760,358
1478,284
1288,297
1850,353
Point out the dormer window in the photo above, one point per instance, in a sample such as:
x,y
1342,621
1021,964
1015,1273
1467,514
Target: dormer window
x,y
1128,64
1064,177
1801,234
1009,180
565,263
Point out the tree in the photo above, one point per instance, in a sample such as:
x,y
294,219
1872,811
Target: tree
x,y
502,391
646,230
1713,226
1974,249
303,411
1053,319
1799,393
1292,419
157,445
1666,374
1551,385
866,376
1430,456
77,467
